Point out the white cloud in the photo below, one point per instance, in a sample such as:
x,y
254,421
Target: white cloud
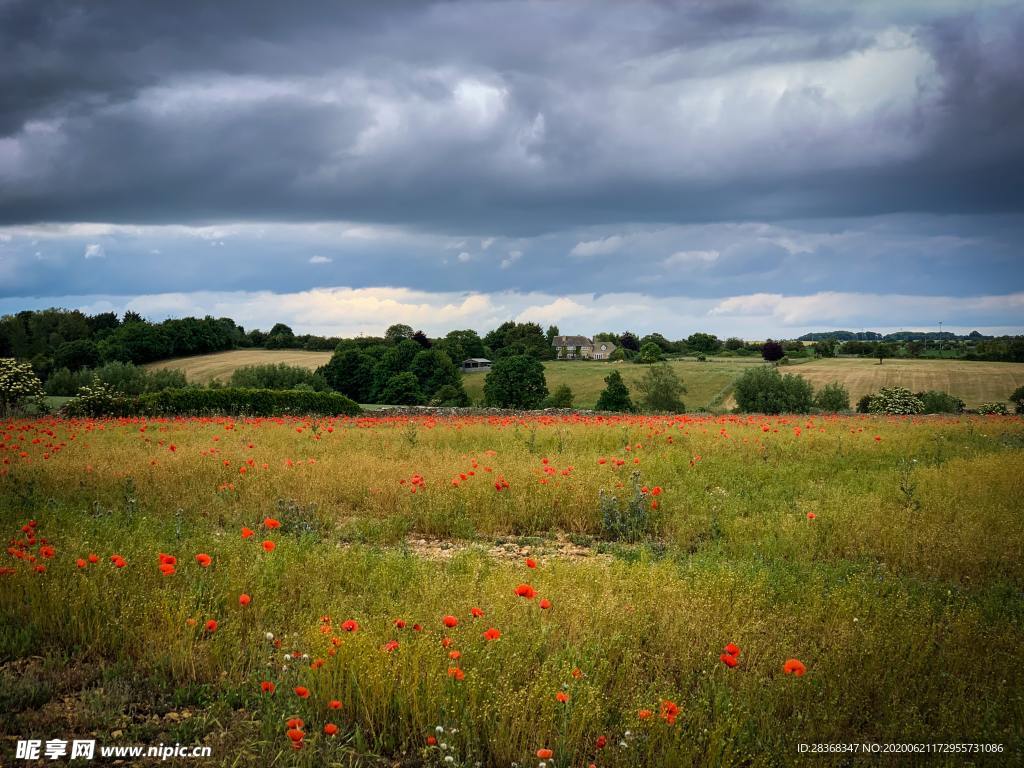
x,y
464,257
598,247
320,260
95,251
512,258
690,258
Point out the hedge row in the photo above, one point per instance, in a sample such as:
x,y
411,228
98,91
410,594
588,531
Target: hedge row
x,y
230,401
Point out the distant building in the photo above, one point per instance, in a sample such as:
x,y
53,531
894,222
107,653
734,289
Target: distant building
x,y
580,347
475,364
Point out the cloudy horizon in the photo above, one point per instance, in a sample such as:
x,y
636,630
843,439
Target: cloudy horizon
x,y
751,169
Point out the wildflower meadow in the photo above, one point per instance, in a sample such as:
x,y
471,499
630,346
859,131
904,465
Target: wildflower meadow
x,y
530,590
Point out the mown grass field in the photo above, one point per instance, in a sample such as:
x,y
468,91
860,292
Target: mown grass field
x,y
202,369
881,553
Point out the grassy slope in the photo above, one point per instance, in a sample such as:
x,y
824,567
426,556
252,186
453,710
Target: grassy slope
x,y
902,596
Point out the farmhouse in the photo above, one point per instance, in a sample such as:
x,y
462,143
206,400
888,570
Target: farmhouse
x,y
580,347
475,364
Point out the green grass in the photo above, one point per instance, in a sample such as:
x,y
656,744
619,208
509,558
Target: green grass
x,y
902,595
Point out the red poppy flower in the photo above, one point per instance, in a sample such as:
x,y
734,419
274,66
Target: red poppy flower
x,y
525,590
577,672
492,634
350,625
545,754
269,522
417,628
211,625
267,687
450,621
204,560
244,599
391,646
269,546
247,533
166,569
446,642
168,559
302,691
431,741
728,659
80,563
669,712
334,704
562,696
456,674
643,714
476,613
295,722
811,516
794,667
545,604
330,729
601,742
531,563
732,649
454,655
399,623
295,735
94,558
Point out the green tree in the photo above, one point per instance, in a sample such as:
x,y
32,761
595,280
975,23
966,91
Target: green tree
x,y
882,351
734,344
350,371
662,390
562,397
762,389
825,348
277,376
75,355
449,396
649,353
398,332
434,369
615,396
707,343
402,389
516,382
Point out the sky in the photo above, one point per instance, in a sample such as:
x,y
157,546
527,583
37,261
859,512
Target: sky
x,y
746,168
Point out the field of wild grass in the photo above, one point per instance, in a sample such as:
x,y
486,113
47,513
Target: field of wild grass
x,y
615,591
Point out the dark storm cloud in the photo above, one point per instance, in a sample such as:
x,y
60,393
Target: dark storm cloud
x,y
499,118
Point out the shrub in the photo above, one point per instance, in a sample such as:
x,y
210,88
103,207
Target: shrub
x,y
864,403
122,378
832,398
19,386
615,396
763,389
277,376
895,401
940,402
1017,398
516,381
993,409
562,397
450,396
194,401
98,399
662,390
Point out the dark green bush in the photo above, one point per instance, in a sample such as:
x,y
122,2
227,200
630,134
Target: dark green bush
x,y
277,376
940,402
225,401
762,389
832,398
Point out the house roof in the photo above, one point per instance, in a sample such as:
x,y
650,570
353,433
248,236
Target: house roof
x,y
604,346
475,360
571,341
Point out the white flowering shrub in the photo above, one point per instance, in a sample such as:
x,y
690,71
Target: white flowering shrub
x,y
19,386
96,399
994,409
895,401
